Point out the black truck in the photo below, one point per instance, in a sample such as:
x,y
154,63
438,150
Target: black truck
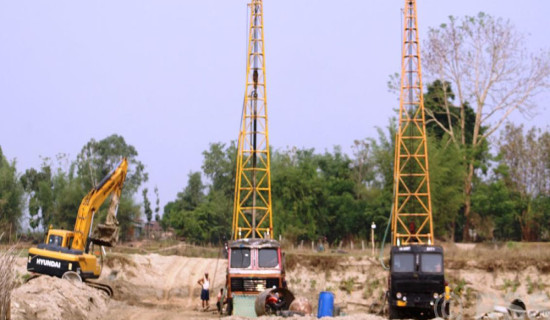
x,y
417,287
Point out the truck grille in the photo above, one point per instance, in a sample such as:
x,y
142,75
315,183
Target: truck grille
x,y
253,284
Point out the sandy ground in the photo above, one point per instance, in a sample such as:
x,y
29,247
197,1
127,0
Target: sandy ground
x,y
154,286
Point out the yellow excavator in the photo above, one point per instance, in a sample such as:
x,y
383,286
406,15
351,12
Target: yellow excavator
x,y
66,254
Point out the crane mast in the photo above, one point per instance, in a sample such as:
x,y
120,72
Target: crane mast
x,y
412,209
417,287
252,215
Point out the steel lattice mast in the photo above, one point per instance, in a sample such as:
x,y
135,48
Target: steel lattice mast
x,y
252,215
412,209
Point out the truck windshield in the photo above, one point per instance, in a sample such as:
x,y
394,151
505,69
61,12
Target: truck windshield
x,y
431,262
403,262
240,258
269,258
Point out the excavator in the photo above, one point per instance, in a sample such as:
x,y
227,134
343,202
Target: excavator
x,y
72,254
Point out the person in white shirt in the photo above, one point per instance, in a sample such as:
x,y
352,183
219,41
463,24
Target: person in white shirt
x,y
205,292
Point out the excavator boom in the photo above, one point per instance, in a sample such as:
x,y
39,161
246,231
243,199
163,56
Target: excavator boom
x,y
106,234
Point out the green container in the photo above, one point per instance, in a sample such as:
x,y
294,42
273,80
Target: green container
x,y
243,305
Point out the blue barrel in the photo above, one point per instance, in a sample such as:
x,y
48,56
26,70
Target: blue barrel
x,y
326,304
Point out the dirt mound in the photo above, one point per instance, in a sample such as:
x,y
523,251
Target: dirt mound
x,y
53,298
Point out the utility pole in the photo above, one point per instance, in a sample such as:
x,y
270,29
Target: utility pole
x,y
372,228
252,215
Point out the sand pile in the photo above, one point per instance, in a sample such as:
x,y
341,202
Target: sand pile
x,y
156,280
53,298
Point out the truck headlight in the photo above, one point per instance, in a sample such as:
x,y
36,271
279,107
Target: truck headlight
x,y
399,295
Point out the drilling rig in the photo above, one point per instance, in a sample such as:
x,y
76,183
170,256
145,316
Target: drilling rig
x,y
255,268
416,284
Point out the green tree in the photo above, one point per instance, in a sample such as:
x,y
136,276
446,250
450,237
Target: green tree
x,y
157,204
495,207
526,157
297,194
35,184
446,185
219,167
98,158
11,195
54,193
182,213
147,209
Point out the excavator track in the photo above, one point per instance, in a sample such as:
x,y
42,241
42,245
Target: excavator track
x,y
100,286
96,285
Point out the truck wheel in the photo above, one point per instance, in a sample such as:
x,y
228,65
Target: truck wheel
x,y
442,309
229,306
394,313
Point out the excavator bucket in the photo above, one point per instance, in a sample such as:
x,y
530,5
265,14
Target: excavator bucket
x,y
107,234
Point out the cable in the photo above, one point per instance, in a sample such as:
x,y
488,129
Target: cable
x,y
243,108
383,243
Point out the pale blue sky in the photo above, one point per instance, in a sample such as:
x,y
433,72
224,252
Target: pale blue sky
x,y
169,75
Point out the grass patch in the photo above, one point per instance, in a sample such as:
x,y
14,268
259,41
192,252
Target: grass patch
x,y
534,286
313,261
370,287
170,248
347,285
312,284
509,256
510,285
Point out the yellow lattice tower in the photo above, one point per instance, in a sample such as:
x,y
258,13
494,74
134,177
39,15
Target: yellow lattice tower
x,y
252,215
412,209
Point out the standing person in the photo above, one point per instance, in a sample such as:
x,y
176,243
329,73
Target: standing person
x,y
205,293
219,304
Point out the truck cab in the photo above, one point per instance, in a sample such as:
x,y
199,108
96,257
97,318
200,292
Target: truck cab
x,y
417,287
254,265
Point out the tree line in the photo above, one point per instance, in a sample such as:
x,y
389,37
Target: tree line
x,y
335,195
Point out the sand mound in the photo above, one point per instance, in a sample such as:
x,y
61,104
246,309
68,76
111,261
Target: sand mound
x,y
53,298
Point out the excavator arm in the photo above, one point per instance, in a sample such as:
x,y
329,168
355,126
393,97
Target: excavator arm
x,y
105,234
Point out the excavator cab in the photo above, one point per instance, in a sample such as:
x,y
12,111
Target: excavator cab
x,y
417,286
56,256
59,238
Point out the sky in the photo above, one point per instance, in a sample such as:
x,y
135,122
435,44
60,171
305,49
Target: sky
x,y
169,75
